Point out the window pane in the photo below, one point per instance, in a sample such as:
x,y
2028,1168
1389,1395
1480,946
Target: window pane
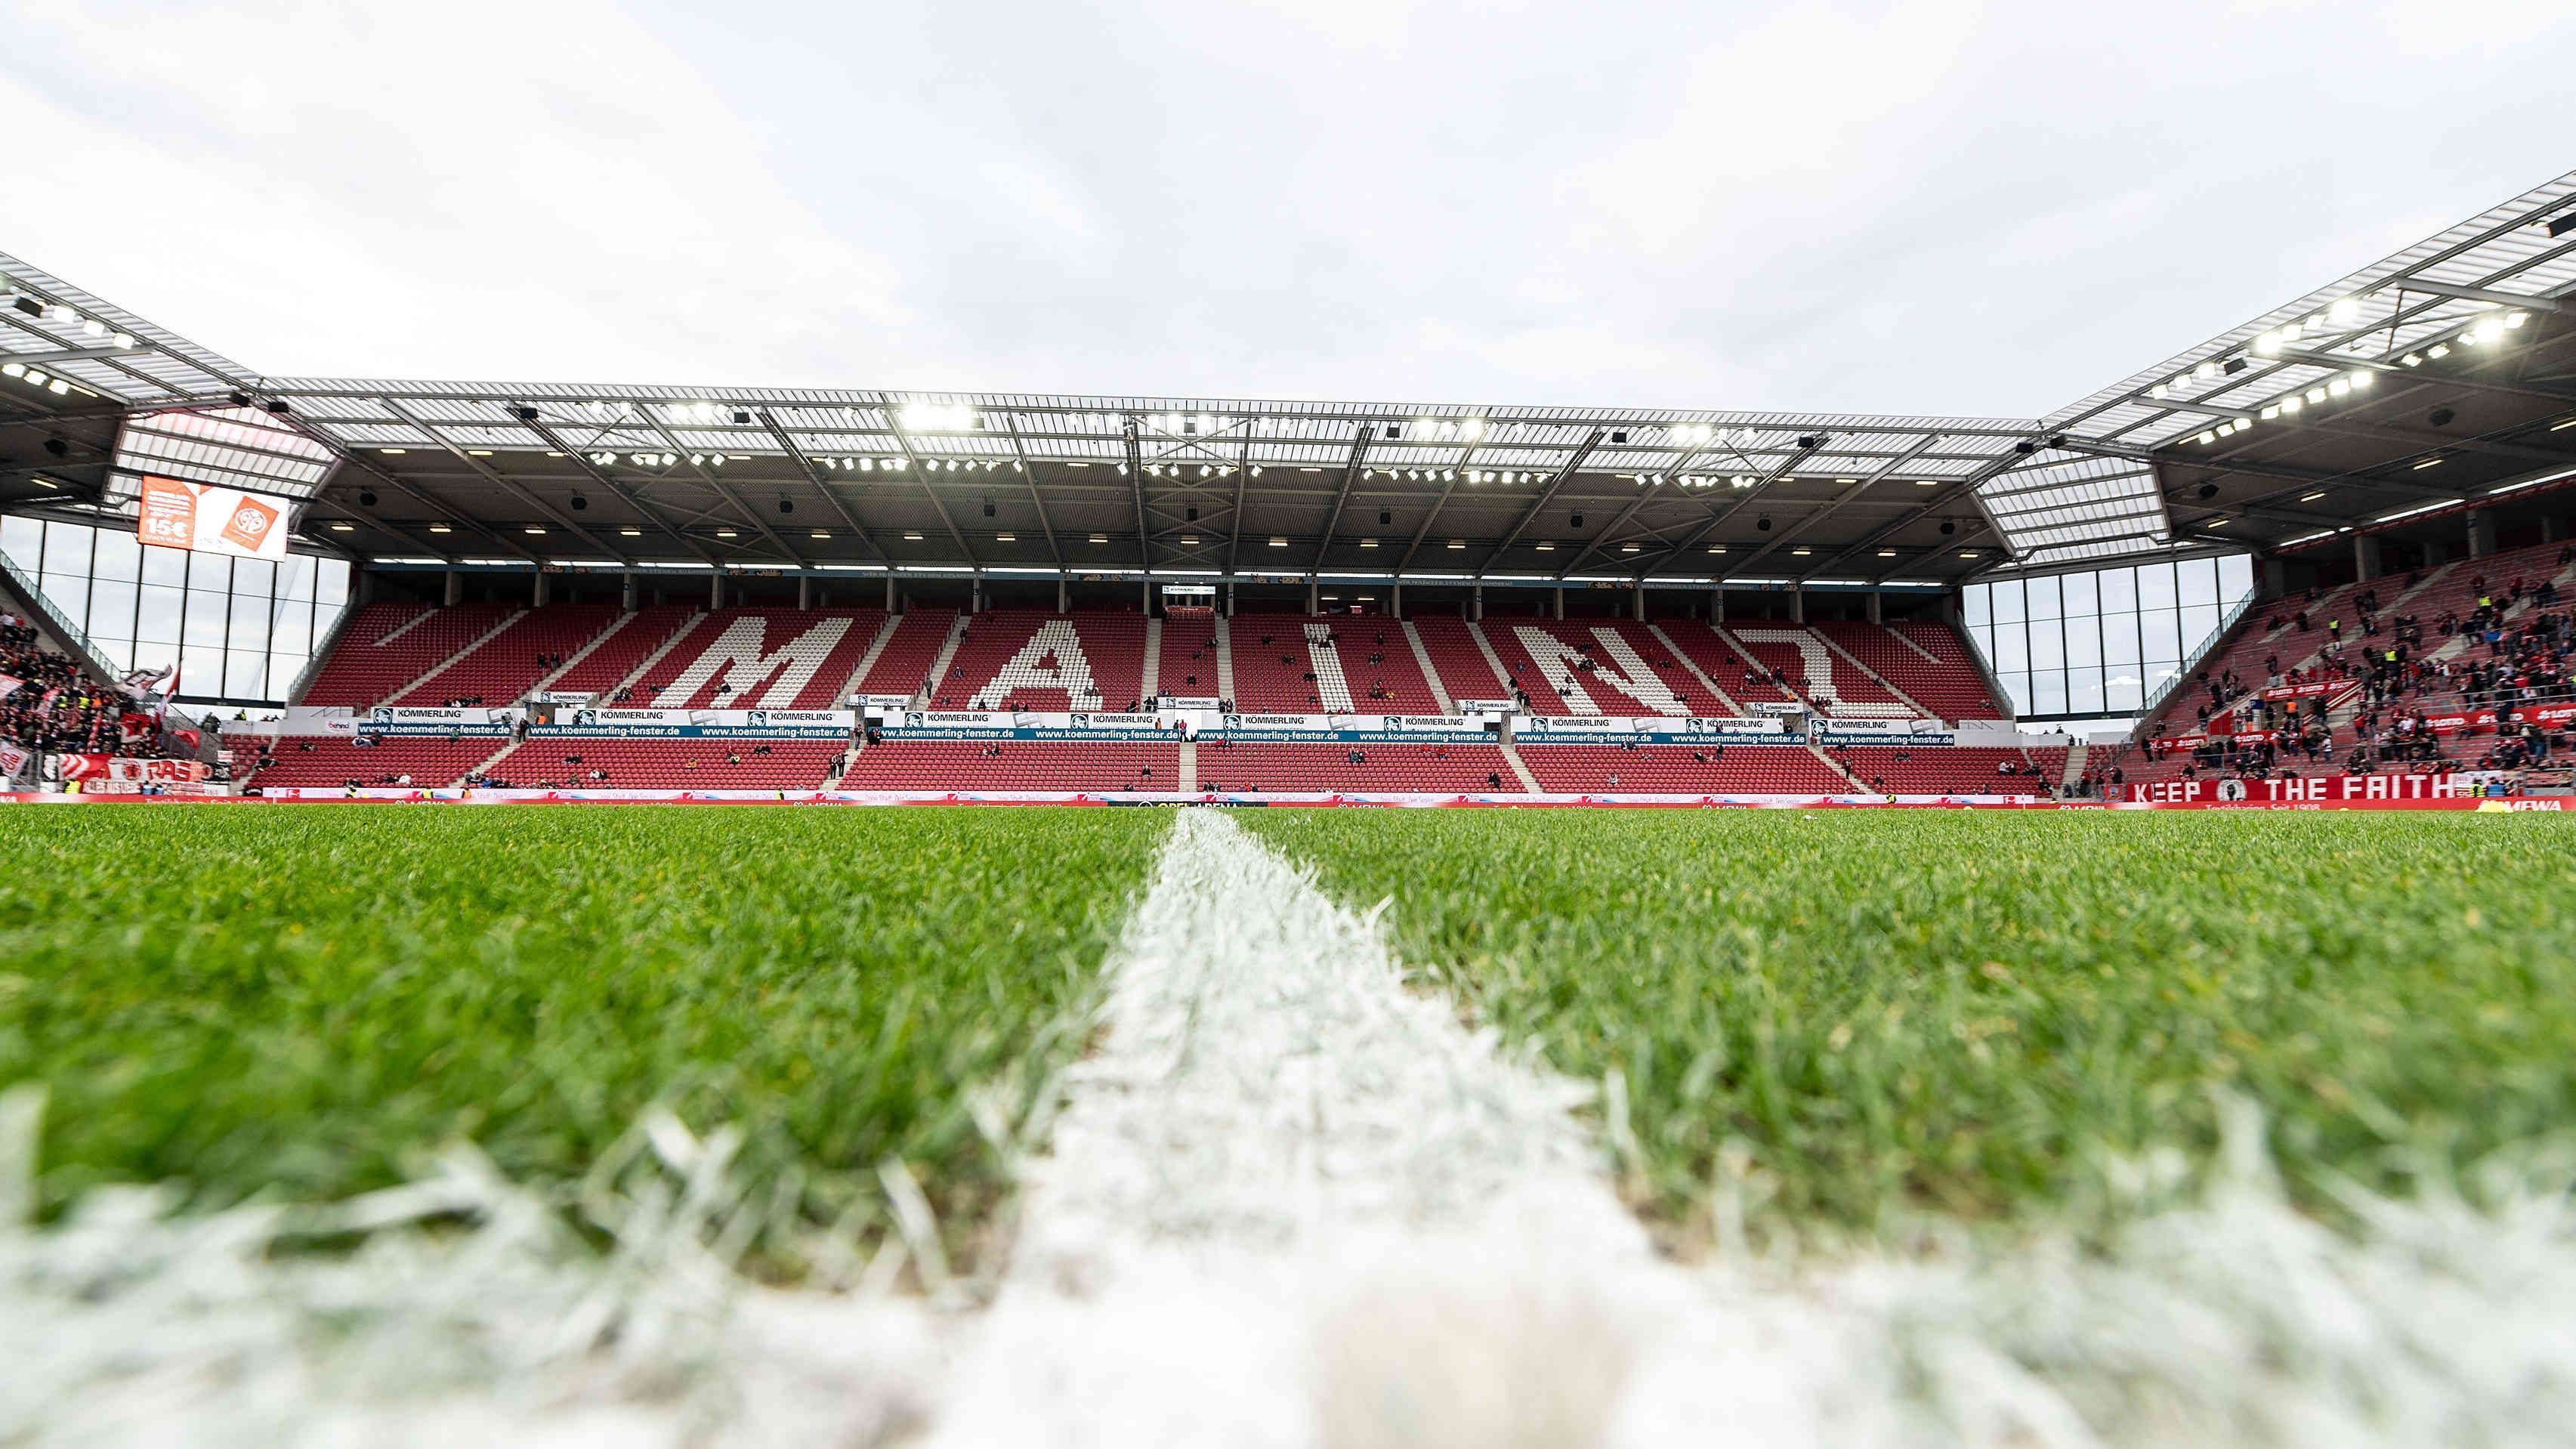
x,y
331,580
67,550
283,670
326,617
165,566
290,629
2008,602
2083,641
246,675
120,555
2047,646
69,596
2198,580
209,573
2235,577
23,539
201,671
2199,621
252,578
111,610
249,626
2155,587
2048,692
1984,635
1976,607
2119,638
2012,653
2084,691
2119,591
2161,645
157,619
2123,692
2042,600
2079,594
205,622
2017,686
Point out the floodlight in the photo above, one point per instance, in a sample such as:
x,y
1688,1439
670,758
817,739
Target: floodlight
x,y
2344,310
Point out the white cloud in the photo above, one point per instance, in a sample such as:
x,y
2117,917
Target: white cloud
x,y
1970,206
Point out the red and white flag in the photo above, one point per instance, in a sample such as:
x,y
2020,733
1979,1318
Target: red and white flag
x,y
9,685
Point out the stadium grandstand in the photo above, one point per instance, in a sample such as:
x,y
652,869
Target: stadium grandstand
x,y
2332,541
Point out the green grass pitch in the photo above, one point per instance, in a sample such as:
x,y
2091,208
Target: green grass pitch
x,y
302,1002
1966,1013
1958,1014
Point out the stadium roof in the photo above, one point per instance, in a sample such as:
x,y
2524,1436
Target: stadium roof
x,y
2218,446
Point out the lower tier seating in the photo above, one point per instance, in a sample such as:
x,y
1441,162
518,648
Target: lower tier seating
x,y
1952,769
331,761
1230,766
1682,769
578,762
1015,765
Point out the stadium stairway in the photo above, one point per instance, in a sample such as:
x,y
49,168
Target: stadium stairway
x,y
502,667
1225,661
867,661
2077,757
918,643
1430,676
1696,673
1189,765
937,675
1520,767
1835,648
624,656
1152,674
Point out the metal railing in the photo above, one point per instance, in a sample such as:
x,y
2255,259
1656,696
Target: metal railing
x,y
2190,657
55,624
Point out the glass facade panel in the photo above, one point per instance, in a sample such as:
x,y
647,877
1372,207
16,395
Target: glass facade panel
x,y
2074,643
247,625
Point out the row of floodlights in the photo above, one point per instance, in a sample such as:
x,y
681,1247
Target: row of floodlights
x,y
2341,313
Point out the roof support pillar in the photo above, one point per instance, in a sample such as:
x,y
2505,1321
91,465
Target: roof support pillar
x,y
455,588
1556,601
715,589
2365,556
626,591
804,591
1641,601
538,591
2481,532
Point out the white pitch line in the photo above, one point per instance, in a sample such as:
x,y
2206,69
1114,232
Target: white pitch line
x,y
1293,1203
1289,1197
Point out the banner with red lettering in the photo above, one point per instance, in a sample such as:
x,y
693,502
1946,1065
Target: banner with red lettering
x,y
12,760
112,767
2321,790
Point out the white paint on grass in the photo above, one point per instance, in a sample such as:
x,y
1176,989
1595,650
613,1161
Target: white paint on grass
x,y
1290,1202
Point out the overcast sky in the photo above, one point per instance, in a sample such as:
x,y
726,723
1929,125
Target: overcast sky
x,y
1933,207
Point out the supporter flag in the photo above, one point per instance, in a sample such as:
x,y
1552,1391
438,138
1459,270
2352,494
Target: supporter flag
x,y
9,685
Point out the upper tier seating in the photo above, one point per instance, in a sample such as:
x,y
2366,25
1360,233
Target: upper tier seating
x,y
1230,767
1681,769
1464,671
386,647
761,659
1284,664
1724,663
570,762
1597,666
1022,659
331,761
1948,686
1953,770
629,644
1798,654
1015,765
502,668
1956,663
904,664
1186,667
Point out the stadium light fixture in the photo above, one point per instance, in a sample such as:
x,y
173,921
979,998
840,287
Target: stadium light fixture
x,y
1801,552
822,533
911,536
2205,371
1100,538
2312,497
439,528
536,529
1887,553
1368,543
1457,543
629,532
2438,350
724,533
344,528
1545,547
2343,310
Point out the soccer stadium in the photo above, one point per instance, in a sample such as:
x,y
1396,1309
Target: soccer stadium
x,y
607,912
